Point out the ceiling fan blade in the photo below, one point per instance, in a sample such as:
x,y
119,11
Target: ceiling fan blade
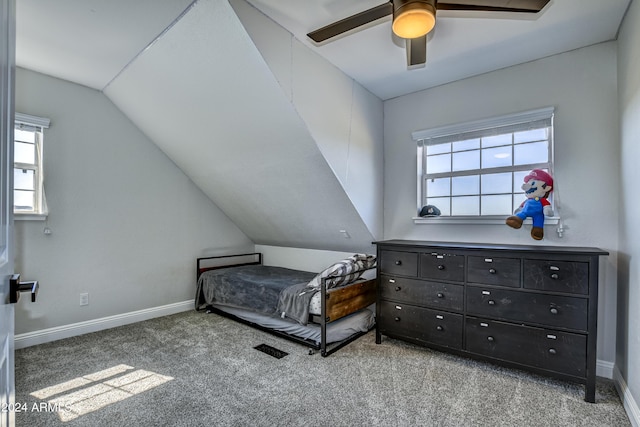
x,y
351,22
416,52
526,6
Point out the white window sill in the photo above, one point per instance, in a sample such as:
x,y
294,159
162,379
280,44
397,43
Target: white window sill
x,y
483,220
29,217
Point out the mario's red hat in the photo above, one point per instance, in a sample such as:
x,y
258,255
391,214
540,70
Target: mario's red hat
x,y
539,175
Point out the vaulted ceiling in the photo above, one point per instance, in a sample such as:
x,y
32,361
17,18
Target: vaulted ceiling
x,y
462,44
91,41
284,136
204,94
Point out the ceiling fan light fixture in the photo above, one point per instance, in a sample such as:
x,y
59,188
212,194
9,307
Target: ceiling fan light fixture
x,y
413,19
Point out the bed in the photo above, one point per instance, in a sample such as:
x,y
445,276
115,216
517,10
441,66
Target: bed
x,y
324,311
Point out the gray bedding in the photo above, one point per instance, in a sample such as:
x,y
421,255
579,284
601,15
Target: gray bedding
x,y
259,288
294,302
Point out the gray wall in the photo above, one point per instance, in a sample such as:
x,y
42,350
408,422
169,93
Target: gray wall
x,y
581,84
126,223
628,342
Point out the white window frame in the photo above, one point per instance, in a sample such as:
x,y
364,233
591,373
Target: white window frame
x,y
474,129
41,208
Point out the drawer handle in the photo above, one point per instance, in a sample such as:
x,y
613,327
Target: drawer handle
x,y
555,276
491,302
440,295
552,351
398,288
440,328
490,338
440,267
397,319
398,262
492,270
553,310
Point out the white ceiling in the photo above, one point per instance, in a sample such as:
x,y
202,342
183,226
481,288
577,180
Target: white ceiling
x,y
164,63
204,94
91,41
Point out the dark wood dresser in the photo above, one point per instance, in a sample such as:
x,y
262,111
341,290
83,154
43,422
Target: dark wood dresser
x,y
527,307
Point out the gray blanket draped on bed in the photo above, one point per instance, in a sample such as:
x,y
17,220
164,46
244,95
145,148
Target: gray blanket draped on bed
x,y
294,302
260,288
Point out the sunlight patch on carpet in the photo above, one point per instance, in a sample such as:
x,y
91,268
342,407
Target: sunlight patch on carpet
x,y
88,393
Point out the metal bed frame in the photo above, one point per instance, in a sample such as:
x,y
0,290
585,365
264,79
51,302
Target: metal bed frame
x,y
322,320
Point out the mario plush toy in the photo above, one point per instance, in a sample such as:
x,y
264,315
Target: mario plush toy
x,y
537,186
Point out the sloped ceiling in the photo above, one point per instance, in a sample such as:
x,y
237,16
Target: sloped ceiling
x,y
463,43
89,41
203,93
186,72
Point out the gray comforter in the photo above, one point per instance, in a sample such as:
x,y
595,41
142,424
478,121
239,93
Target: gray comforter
x,y
259,288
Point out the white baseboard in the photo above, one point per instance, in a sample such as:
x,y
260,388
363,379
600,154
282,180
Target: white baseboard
x,y
629,403
42,336
604,369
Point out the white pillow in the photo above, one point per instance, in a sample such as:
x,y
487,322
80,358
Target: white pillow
x,y
344,272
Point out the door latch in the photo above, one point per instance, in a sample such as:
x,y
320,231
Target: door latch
x,y
15,287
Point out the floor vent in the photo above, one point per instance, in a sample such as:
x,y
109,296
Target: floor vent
x,y
271,351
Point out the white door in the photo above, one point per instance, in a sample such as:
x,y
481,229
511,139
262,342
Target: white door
x,y
7,70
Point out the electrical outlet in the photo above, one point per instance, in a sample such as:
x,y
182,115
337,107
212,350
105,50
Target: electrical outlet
x,y
84,299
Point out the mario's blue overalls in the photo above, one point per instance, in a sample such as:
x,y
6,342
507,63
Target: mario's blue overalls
x,y
535,209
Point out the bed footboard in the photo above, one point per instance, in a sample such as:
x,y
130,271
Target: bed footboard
x,y
341,302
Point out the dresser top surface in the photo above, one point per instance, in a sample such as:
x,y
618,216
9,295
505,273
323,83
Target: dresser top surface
x,y
492,247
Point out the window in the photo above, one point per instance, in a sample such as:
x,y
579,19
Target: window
x,y
28,190
475,170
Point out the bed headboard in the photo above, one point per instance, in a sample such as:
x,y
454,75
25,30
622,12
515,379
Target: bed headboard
x,y
214,262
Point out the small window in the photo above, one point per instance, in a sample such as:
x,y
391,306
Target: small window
x,y
28,186
475,170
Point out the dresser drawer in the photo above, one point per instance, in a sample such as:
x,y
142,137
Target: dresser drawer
x,y
397,262
494,271
444,296
557,276
421,324
542,348
442,266
551,310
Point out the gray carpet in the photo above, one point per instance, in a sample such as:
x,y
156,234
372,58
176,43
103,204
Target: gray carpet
x,y
196,369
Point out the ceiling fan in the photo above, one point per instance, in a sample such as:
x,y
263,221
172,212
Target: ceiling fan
x,y
414,19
